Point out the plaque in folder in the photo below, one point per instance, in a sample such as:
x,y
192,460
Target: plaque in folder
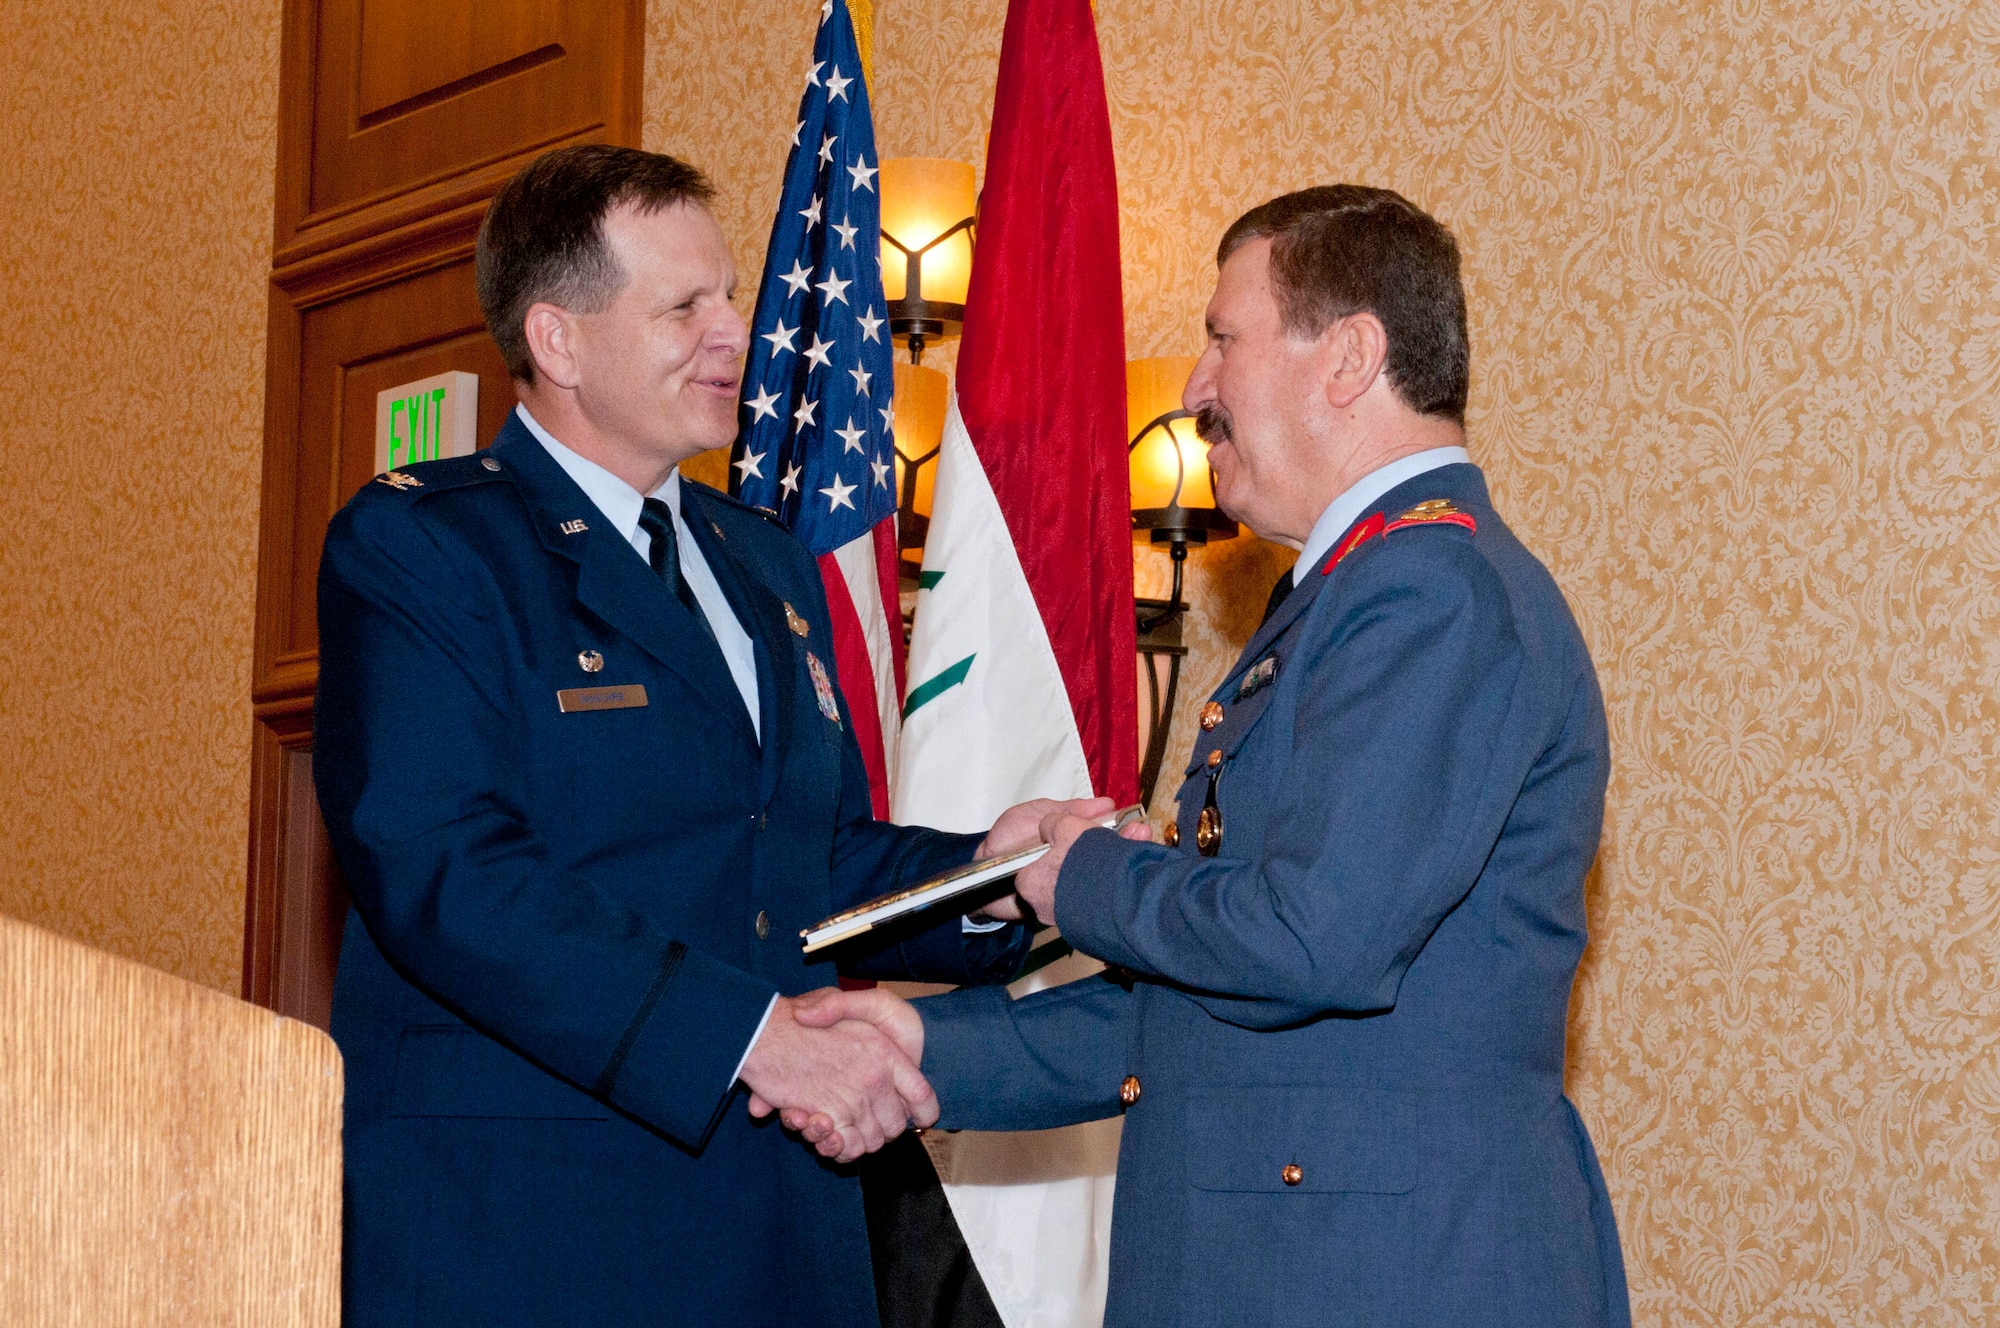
x,y
864,918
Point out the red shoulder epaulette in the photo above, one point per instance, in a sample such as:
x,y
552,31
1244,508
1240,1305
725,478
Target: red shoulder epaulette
x,y
1431,512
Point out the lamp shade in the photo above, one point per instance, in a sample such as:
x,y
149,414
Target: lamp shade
x,y
1172,494
924,198
920,405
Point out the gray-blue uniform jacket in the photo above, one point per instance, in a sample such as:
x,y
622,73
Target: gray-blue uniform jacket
x,y
569,921
1341,1036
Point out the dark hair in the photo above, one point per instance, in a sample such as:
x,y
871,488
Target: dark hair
x,y
543,237
1342,249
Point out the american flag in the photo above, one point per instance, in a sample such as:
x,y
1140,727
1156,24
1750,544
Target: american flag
x,y
815,444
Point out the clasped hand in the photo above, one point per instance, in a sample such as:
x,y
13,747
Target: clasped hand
x,y
842,1067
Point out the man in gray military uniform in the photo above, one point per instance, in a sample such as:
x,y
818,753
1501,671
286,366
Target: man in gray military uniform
x,y
1341,983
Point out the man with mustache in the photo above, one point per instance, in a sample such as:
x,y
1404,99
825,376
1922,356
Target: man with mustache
x,y
1336,1014
587,777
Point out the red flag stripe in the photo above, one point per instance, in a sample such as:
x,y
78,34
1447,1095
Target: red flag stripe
x,y
1041,374
855,676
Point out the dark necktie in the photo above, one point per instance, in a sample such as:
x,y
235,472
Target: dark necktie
x,y
664,552
1278,593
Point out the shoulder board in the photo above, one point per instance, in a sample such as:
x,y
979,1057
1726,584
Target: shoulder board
x,y
429,477
1431,512
710,492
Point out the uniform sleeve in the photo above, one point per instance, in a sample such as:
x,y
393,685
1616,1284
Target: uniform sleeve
x,y
1052,1058
1387,804
417,764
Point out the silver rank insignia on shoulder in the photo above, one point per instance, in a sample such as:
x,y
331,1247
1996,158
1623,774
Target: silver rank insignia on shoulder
x,y
796,623
829,705
397,479
573,527
718,531
1260,676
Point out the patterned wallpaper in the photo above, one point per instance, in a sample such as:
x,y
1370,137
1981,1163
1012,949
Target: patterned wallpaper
x,y
136,152
1733,274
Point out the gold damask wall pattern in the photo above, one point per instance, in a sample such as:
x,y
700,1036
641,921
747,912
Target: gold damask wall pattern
x,y
136,153
1736,334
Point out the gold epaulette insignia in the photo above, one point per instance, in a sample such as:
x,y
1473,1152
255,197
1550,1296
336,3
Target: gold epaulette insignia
x,y
1431,511
396,479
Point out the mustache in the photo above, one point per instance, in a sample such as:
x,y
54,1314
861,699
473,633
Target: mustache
x,y
1212,422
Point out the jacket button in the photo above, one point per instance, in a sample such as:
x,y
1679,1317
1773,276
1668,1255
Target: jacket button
x,y
489,463
763,925
1211,717
1292,1174
1128,1092
1171,835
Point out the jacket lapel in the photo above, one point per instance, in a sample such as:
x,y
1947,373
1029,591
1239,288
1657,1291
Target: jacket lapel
x,y
612,581
1462,483
763,617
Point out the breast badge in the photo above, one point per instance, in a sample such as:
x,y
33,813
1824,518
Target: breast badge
x,y
829,704
796,623
396,479
1261,675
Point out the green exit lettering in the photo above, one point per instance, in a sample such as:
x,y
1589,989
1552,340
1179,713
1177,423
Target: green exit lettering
x,y
413,427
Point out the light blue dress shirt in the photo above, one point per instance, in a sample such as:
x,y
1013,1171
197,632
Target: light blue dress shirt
x,y
1340,513
621,505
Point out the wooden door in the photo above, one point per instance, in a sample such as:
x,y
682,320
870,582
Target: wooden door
x,y
398,119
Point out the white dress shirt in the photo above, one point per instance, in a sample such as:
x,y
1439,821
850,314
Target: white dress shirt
x,y
1340,513
622,505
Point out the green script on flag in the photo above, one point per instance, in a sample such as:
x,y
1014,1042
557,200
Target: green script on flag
x,y
929,690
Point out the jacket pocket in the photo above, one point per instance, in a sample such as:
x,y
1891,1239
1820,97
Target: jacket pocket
x,y
1304,1139
452,1070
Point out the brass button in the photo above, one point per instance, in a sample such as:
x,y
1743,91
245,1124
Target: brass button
x,y
1171,834
763,925
1211,716
589,661
1214,758
1208,832
489,463
1128,1092
1292,1175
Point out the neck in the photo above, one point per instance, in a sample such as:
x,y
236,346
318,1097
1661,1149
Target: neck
x,y
560,412
1404,434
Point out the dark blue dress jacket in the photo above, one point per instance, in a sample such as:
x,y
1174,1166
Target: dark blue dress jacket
x,y
567,926
1346,1027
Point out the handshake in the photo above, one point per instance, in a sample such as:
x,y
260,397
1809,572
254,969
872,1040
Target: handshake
x,y
842,1067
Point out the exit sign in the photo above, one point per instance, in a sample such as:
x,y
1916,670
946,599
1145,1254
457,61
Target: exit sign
x,y
422,421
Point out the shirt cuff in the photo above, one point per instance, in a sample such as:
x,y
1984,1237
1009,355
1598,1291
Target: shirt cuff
x,y
971,928
751,1045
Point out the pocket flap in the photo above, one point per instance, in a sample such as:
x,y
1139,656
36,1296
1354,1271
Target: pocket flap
x,y
1338,1137
452,1070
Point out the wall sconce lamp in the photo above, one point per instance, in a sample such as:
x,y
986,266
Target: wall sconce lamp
x,y
929,209
1173,501
921,396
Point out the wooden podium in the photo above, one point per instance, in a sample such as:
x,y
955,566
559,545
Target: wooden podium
x,y
168,1155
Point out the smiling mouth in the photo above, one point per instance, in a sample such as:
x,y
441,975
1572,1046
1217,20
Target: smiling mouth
x,y
728,385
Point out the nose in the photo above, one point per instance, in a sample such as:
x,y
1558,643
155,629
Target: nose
x,y
730,334
1200,389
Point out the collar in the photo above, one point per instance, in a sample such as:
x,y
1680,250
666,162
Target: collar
x,y
1342,511
619,501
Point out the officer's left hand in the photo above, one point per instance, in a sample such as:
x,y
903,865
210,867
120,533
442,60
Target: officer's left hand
x,y
1036,883
1020,827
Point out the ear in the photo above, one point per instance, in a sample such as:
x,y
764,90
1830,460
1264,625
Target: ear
x,y
1354,349
552,344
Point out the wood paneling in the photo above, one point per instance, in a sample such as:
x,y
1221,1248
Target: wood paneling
x,y
398,121
407,109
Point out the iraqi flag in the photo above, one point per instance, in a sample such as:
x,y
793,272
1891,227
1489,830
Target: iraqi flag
x,y
1022,668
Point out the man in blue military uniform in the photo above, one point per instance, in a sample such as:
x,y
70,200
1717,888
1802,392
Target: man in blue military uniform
x,y
1336,1019
587,778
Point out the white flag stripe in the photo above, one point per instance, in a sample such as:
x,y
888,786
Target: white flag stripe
x,y
1035,1208
856,559
1006,733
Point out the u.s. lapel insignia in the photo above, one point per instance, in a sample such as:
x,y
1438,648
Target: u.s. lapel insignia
x,y
1258,678
796,623
575,526
397,479
829,705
